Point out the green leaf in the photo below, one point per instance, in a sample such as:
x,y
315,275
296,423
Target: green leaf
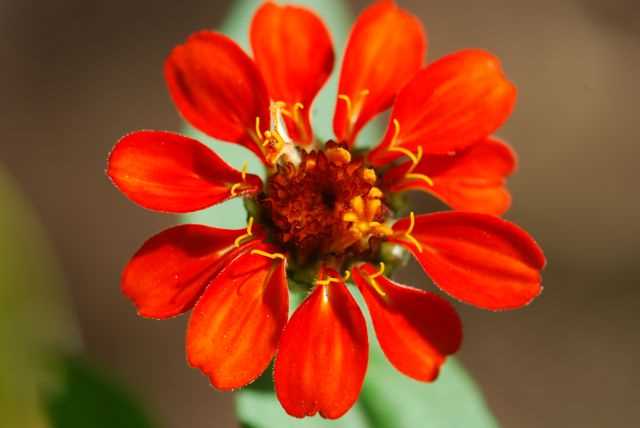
x,y
34,317
393,400
38,389
89,398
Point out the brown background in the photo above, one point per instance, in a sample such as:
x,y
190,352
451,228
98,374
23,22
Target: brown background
x,y
76,75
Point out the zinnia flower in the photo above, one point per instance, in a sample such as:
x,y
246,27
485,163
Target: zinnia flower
x,y
325,211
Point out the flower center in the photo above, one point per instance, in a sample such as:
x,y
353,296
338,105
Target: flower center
x,y
325,206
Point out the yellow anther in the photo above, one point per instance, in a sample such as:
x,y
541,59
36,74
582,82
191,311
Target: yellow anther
x,y
338,155
369,175
248,233
346,275
350,216
357,203
375,193
373,206
272,256
270,141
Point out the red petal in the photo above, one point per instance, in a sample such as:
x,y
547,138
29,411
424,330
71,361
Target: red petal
x,y
168,274
323,354
416,329
473,179
477,258
386,48
453,103
168,172
218,88
235,327
294,53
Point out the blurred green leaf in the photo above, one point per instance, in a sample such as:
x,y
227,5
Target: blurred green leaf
x,y
89,398
38,388
393,400
34,316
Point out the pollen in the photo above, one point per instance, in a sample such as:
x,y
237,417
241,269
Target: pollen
x,y
325,206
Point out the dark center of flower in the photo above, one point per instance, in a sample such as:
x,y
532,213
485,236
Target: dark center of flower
x,y
326,206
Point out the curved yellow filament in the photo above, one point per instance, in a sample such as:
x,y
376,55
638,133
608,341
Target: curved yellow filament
x,y
414,157
248,234
327,281
272,256
347,101
234,189
422,177
374,283
408,233
379,273
245,166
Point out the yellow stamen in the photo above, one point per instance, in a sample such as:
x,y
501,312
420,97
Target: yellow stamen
x,y
350,216
245,165
373,206
327,281
353,106
338,155
271,142
347,101
414,157
346,275
269,255
374,283
234,189
422,177
380,272
369,175
408,233
248,234
375,193
258,132
357,204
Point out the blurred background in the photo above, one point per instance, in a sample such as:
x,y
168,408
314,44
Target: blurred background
x,y
77,75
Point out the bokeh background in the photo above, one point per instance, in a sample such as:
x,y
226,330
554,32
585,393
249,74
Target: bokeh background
x,y
76,75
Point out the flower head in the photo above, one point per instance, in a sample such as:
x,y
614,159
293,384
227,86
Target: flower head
x,y
325,213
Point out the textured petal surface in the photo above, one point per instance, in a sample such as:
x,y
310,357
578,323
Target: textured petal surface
x,y
477,258
453,103
416,329
323,354
235,327
293,50
386,48
169,273
168,172
473,179
218,88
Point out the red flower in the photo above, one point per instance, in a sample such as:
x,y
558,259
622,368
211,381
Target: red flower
x,y
325,209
